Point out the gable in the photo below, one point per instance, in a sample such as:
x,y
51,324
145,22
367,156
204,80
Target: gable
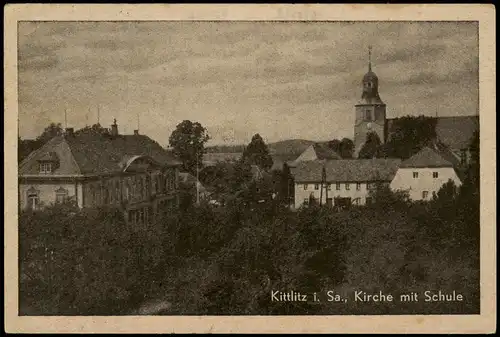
x,y
56,149
308,154
426,158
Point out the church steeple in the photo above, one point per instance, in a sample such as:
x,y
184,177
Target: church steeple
x,y
370,58
370,84
370,112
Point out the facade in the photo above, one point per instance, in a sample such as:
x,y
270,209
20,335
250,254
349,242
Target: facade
x,y
96,168
424,174
341,182
370,112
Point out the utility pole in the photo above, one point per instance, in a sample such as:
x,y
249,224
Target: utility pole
x,y
326,183
65,119
98,115
197,181
321,188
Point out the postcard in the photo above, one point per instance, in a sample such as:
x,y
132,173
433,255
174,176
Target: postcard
x,y
257,168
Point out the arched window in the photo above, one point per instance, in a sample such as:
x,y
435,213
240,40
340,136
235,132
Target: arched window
x,y
33,199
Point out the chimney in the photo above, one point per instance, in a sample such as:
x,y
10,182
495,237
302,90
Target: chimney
x,y
69,131
136,132
114,128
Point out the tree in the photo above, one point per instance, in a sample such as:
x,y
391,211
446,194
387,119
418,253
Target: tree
x,y
94,128
408,135
188,141
257,153
50,132
346,148
370,147
334,145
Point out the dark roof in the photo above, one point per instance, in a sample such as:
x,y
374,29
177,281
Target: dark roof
x,y
457,132
49,156
347,170
99,153
454,132
280,160
323,152
426,157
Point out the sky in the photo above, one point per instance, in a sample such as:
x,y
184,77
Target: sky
x,y
283,80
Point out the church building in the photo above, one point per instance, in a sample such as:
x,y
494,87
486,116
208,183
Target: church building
x,y
370,111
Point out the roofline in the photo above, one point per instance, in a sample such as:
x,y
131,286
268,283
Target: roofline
x,y
76,176
341,181
35,152
427,166
438,117
370,104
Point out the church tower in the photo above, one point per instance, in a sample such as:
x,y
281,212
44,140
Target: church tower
x,y
370,110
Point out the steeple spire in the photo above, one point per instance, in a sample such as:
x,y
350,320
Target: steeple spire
x,y
369,58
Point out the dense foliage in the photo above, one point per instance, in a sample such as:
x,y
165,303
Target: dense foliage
x,y
344,147
188,142
408,135
370,147
257,153
226,260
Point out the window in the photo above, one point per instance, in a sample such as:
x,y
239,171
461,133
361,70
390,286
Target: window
x,y
316,186
368,115
305,187
358,187
425,194
415,175
347,187
61,195
435,174
337,187
329,202
328,187
45,167
306,201
369,200
33,199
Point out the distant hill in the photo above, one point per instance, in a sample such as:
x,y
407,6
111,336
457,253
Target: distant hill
x,y
290,146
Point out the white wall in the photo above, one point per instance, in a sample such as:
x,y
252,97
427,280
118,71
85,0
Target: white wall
x,y
46,192
403,180
353,193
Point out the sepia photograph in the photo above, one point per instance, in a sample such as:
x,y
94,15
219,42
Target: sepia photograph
x,y
248,167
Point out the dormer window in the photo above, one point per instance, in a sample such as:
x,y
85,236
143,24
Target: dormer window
x,y
45,167
48,163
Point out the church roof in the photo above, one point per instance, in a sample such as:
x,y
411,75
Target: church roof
x,y
426,157
370,76
457,132
454,132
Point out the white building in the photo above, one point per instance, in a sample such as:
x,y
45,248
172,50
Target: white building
x,y
346,181
423,174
